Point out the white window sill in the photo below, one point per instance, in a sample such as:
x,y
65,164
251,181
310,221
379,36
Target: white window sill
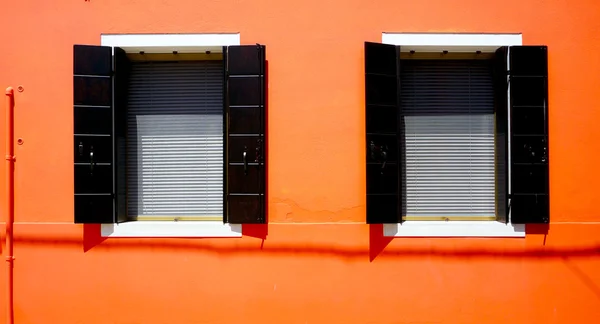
x,y
171,229
454,229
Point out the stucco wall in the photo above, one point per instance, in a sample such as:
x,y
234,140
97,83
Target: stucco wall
x,y
339,271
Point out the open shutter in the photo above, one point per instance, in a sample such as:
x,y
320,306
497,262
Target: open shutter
x,y
529,134
383,131
244,104
501,132
121,91
93,134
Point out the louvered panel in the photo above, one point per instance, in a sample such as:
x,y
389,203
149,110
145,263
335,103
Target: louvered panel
x,y
175,139
448,113
93,134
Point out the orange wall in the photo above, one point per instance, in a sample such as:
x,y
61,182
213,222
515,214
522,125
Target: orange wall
x,y
338,271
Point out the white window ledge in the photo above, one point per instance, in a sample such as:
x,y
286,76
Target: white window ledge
x,y
171,229
453,42
167,43
454,229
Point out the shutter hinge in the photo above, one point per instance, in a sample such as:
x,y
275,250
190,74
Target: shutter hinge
x,y
509,200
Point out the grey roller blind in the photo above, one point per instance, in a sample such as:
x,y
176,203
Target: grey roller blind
x,y
448,111
175,139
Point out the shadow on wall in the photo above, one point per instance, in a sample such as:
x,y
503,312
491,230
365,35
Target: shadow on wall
x,y
378,246
583,277
377,242
92,237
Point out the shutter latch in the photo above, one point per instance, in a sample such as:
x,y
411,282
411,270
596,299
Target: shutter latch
x,y
245,161
92,159
379,154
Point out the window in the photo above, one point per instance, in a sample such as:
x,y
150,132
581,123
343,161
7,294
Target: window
x,y
169,136
174,140
447,137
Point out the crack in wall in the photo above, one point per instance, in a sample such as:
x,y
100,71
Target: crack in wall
x,y
288,210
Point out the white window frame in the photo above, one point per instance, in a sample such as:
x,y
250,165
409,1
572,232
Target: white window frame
x,y
167,43
433,42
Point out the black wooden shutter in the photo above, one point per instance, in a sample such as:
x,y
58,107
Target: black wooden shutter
x,y
501,124
93,134
383,133
529,134
245,118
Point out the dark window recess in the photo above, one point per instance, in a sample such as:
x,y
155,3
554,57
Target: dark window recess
x,y
529,134
121,91
500,77
383,129
245,120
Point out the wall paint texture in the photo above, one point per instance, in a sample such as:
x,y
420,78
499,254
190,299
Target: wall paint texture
x,y
316,261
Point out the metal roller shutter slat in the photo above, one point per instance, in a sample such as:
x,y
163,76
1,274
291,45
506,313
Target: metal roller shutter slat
x,y
448,111
175,139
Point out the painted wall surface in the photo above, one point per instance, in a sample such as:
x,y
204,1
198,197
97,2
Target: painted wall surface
x,y
318,262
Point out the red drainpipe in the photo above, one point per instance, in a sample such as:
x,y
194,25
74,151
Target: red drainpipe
x,y
10,203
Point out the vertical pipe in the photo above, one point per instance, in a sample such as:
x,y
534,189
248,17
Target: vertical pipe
x,y
10,207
